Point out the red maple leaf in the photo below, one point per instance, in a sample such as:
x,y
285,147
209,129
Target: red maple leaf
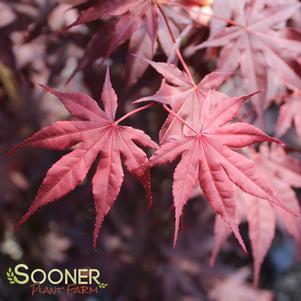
x,y
96,135
207,158
283,172
139,22
258,41
184,96
223,11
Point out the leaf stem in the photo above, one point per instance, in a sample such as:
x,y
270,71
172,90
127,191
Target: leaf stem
x,y
134,112
179,55
180,118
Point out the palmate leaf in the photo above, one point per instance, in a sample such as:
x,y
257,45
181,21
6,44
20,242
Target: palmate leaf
x,y
142,23
206,158
253,44
283,172
184,97
139,21
99,137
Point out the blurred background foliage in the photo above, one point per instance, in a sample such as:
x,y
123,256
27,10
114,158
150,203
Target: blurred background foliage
x,y
135,251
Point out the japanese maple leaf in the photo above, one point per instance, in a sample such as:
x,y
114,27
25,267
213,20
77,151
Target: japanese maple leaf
x,y
223,11
139,22
254,44
96,135
184,96
207,158
290,114
284,172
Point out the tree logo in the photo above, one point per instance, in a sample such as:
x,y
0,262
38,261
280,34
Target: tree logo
x,y
11,276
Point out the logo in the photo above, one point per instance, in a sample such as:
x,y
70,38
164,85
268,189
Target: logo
x,y
10,276
56,281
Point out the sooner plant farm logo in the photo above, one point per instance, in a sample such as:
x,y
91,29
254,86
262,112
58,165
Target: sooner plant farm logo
x,y
57,281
